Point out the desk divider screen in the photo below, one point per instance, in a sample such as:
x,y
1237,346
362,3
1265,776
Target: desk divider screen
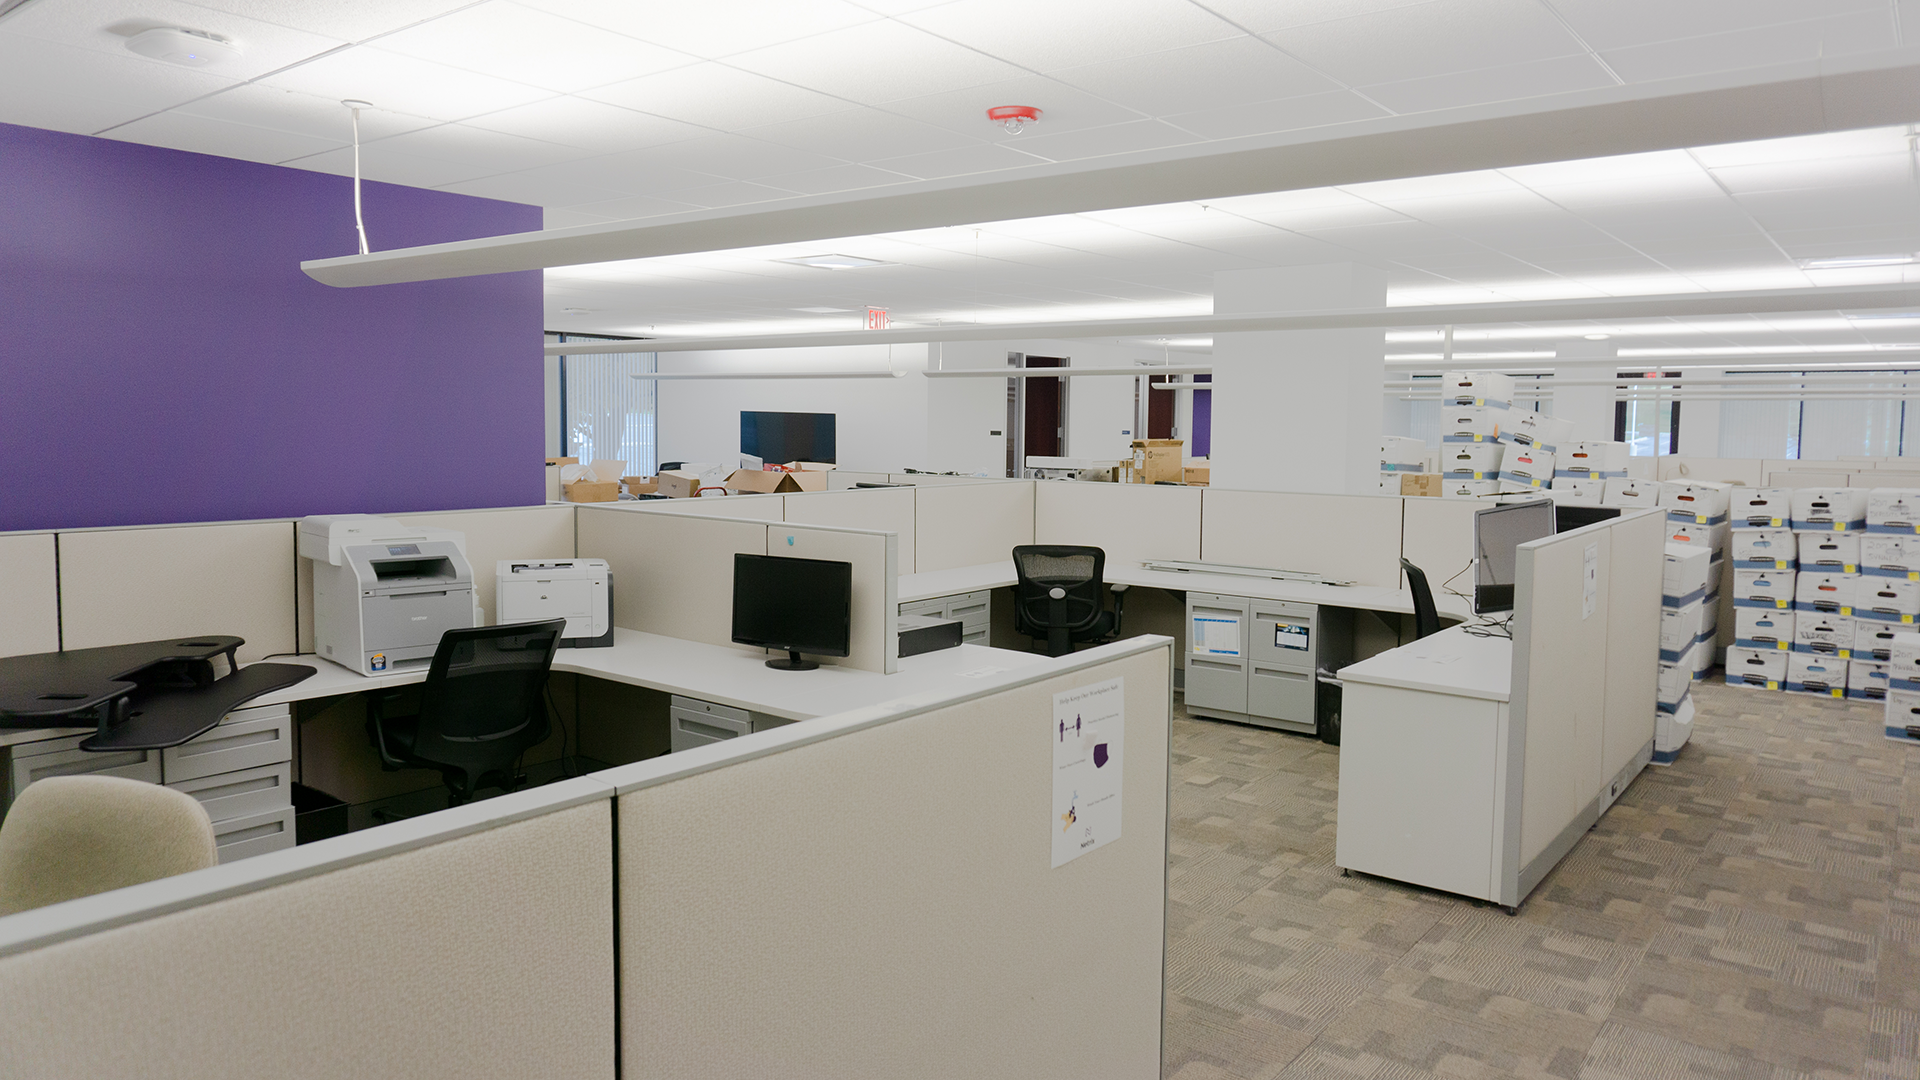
x,y
677,567
528,532
755,507
870,896
1633,635
1132,522
477,941
879,509
1349,537
124,585
30,598
969,524
841,479
874,636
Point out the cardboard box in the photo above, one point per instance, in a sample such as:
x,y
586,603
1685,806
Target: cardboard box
x,y
1469,423
1702,658
1471,461
563,461
1399,454
1680,627
1866,680
1155,460
810,466
1829,509
1198,477
1883,555
1764,549
774,481
1763,588
1886,599
1675,680
1830,593
1763,628
1702,502
1830,553
678,483
1536,430
1671,732
1476,388
1628,491
640,485
1823,632
1894,510
1468,489
1529,466
1764,669
1760,507
593,491
1423,484
1591,460
1711,537
1684,577
1873,640
1903,715
1811,674
1576,492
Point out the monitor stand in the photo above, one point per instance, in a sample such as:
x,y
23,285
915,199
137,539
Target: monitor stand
x,y
791,662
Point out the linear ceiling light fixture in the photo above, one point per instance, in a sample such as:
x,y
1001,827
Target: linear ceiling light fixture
x,y
1850,262
834,262
661,375
354,105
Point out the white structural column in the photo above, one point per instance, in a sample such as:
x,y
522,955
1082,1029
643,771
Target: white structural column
x,y
1590,408
1700,418
1298,410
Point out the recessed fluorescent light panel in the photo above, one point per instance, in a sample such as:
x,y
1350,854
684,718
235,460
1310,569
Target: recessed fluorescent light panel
x,y
833,262
1843,262
824,310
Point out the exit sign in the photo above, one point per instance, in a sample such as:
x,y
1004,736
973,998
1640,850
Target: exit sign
x,y
877,318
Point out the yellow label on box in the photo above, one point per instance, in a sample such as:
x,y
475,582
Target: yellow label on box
x,y
1780,645
1781,604
1839,526
1849,568
1913,575
1773,685
1838,693
1906,618
1776,523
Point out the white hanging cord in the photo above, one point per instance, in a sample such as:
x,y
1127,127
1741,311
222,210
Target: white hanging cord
x,y
359,223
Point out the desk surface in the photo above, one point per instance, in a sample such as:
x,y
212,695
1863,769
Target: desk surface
x,y
1452,661
964,579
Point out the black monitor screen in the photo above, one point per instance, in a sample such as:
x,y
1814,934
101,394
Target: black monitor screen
x,y
1568,518
1498,532
780,437
799,605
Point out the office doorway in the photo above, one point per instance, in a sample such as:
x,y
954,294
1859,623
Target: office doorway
x,y
1036,413
1160,408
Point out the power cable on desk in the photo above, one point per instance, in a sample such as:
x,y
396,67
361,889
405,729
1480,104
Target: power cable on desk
x,y
1489,628
566,769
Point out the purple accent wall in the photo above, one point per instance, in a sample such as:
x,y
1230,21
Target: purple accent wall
x,y
162,357
1202,419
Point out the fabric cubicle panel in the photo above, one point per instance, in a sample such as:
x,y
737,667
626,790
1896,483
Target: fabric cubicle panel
x,y
1637,562
527,532
869,896
1743,471
489,953
142,584
920,479
1437,536
1348,537
969,524
840,479
1803,478
30,602
678,568
755,507
879,509
1133,522
874,639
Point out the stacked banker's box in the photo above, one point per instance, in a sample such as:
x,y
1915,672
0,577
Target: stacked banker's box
x,y
1532,441
1683,593
1765,556
1885,605
1581,471
1474,406
1400,457
1696,513
1827,523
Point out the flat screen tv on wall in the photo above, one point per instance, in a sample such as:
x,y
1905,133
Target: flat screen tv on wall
x,y
788,436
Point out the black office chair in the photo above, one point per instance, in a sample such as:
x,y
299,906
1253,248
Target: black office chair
x,y
482,706
668,466
1058,595
1426,617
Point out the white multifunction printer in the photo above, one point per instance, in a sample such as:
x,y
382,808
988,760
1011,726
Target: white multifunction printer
x,y
384,592
577,590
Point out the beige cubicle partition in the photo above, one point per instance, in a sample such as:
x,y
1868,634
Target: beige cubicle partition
x,y
874,641
969,524
524,532
141,584
478,941
1132,522
879,509
30,600
871,896
1346,537
840,479
677,569
1437,536
757,507
1636,550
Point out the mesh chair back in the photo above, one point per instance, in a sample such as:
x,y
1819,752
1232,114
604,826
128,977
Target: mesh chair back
x,y
1044,567
483,698
1426,618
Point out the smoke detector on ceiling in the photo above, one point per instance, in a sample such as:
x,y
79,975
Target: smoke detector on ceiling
x,y
178,45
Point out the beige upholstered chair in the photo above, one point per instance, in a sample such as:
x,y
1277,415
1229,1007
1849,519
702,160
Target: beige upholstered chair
x,y
72,836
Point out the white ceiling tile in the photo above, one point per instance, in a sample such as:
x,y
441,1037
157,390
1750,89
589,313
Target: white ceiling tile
x,y
515,187
509,41
1260,16
635,172
1884,140
261,106
391,167
835,178
1068,33
34,71
566,218
106,26
858,134
876,62
1099,142
1205,76
1535,78
967,160
1429,39
1062,107
719,97
182,131
1289,114
1609,24
588,124
1800,209
348,20
713,30
1480,184
1741,49
491,151
405,84
633,206
739,157
1827,176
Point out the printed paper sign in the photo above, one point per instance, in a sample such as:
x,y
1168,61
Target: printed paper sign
x,y
1088,725
1292,636
1215,635
1590,581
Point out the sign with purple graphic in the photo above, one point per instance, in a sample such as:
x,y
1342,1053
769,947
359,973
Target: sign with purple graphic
x,y
1088,726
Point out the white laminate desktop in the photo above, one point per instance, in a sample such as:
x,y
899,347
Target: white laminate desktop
x,y
1454,661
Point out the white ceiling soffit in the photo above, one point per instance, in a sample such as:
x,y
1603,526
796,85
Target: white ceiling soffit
x,y
1660,305
1619,120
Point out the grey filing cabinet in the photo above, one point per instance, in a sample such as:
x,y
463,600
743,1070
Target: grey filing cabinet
x,y
241,771
1254,660
699,723
973,611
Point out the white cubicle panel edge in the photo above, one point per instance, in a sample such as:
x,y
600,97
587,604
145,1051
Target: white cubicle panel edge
x,y
1353,538
672,573
879,510
874,637
959,525
1132,522
30,601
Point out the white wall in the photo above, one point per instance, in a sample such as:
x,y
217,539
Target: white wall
x,y
881,426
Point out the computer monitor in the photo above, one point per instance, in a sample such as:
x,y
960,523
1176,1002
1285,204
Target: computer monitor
x,y
1567,518
799,605
1498,532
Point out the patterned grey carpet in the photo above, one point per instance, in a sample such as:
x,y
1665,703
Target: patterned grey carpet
x,y
1750,912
